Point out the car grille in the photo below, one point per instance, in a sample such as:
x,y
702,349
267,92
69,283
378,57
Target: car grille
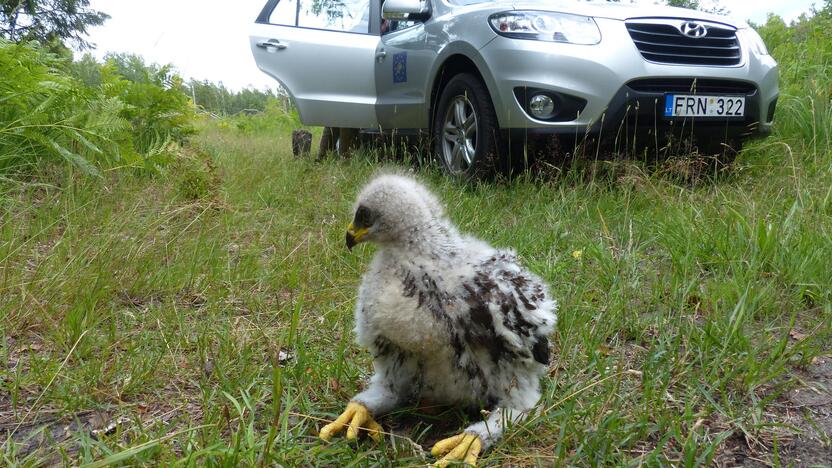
x,y
692,85
662,41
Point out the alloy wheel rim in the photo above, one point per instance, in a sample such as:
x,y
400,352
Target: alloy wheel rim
x,y
459,134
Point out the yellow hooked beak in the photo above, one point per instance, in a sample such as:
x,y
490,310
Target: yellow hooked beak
x,y
354,236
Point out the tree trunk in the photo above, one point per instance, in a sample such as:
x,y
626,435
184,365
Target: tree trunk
x,y
14,14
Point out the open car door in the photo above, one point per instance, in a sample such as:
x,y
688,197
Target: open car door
x,y
322,52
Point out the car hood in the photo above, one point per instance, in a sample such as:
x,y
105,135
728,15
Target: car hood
x,y
617,11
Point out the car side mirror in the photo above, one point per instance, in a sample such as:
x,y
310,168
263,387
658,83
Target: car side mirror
x,y
405,9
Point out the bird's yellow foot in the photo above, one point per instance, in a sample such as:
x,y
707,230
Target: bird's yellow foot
x,y
460,448
355,417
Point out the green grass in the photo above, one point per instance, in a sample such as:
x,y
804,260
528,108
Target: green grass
x,y
149,313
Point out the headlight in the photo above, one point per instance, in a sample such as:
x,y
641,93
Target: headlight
x,y
546,26
756,42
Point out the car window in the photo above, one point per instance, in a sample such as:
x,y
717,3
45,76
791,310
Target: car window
x,y
335,15
388,26
285,13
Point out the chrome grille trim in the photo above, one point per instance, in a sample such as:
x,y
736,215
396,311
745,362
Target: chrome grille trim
x,y
661,40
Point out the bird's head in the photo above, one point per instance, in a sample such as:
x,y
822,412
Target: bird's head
x,y
391,210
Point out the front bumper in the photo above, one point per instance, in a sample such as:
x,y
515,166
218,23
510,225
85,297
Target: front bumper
x,y
640,105
610,77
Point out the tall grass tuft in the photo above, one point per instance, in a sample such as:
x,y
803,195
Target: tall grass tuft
x,y
804,52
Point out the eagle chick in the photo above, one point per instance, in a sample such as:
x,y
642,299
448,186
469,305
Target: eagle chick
x,y
447,318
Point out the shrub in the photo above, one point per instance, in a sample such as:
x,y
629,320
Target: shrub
x,y
44,112
276,117
90,115
195,175
156,104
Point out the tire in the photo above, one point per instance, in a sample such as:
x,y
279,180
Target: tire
x,y
328,140
463,109
301,143
341,141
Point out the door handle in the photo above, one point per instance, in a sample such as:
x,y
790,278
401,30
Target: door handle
x,y
272,45
380,55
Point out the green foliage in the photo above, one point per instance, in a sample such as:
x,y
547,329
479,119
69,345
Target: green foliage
x,y
156,104
90,115
692,4
196,176
219,100
87,70
48,21
276,116
804,52
47,113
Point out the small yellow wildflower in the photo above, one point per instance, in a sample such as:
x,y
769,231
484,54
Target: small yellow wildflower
x,y
578,254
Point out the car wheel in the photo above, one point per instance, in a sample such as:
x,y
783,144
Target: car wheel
x,y
341,141
466,135
329,139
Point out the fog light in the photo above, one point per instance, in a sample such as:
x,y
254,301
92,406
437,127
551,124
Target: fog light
x,y
542,106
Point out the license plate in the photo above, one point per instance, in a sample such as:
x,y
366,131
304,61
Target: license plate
x,y
687,105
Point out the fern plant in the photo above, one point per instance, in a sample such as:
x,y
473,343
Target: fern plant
x,y
45,113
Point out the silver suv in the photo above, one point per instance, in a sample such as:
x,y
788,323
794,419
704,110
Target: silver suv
x,y
479,74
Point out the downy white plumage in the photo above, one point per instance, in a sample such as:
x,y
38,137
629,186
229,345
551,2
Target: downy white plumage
x,y
447,318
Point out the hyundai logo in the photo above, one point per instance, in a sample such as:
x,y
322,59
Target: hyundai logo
x,y
694,30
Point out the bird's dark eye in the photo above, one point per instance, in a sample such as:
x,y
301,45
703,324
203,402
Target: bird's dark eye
x,y
364,217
